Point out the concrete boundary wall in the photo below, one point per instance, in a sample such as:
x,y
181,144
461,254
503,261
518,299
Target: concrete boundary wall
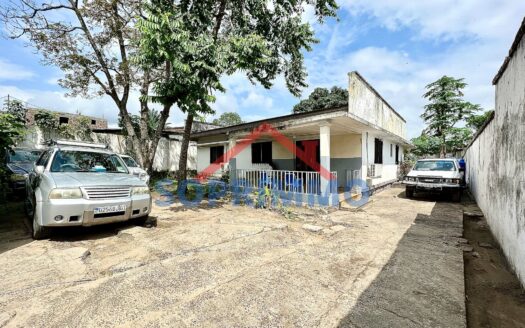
x,y
496,161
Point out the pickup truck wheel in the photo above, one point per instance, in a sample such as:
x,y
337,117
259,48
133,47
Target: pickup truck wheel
x,y
141,221
409,192
456,196
39,232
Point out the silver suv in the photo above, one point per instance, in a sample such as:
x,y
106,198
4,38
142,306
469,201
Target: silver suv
x,y
83,184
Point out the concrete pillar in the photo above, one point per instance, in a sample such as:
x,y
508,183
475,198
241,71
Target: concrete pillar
x,y
324,145
232,162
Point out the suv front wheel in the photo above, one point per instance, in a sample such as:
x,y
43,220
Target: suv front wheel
x,y
409,192
39,232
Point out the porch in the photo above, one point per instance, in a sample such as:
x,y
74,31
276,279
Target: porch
x,y
300,186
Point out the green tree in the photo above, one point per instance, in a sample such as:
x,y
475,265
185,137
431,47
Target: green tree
x,y
475,122
92,42
458,138
16,108
228,119
153,122
47,121
198,42
425,145
446,107
11,130
322,98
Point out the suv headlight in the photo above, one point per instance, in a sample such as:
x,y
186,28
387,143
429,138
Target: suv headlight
x,y
140,191
412,179
143,176
65,193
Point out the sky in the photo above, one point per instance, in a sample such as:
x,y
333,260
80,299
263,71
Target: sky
x,y
399,46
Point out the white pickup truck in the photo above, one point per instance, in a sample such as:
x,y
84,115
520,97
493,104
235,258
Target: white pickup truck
x,y
441,175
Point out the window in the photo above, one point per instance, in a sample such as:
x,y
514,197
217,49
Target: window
x,y
44,158
87,161
93,122
391,150
130,162
435,165
262,152
23,156
63,120
397,154
216,153
378,151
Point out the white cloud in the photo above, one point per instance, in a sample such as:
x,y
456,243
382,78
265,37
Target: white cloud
x,y
11,72
449,19
255,99
401,79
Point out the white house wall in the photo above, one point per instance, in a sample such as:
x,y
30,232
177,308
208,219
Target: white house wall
x,y
495,164
389,168
166,157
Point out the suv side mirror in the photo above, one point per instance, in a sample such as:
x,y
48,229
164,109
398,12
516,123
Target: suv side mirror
x,y
39,169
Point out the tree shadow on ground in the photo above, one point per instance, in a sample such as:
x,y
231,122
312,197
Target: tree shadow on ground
x,y
422,283
15,230
79,233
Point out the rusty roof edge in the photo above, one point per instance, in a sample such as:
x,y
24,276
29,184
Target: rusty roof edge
x,y
512,50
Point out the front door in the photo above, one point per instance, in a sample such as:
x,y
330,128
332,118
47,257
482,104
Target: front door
x,y
311,152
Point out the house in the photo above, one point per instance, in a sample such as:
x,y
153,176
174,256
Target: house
x,y
36,135
495,159
68,118
168,149
362,143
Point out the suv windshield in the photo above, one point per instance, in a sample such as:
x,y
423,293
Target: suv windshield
x,y
23,156
130,162
437,165
87,161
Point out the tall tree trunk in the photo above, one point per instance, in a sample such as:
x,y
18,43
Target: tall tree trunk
x,y
181,174
154,142
443,151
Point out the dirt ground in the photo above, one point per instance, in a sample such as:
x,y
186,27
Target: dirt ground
x,y
396,263
494,295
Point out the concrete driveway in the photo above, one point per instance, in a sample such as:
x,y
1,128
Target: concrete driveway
x,y
396,263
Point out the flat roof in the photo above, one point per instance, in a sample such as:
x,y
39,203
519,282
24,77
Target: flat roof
x,y
253,124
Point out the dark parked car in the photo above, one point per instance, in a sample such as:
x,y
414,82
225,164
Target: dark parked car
x,y
18,163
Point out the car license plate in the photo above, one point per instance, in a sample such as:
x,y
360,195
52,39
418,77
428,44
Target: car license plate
x,y
109,209
429,186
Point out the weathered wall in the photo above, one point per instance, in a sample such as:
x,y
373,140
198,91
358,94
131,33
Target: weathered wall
x,y
495,164
96,122
166,158
366,103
